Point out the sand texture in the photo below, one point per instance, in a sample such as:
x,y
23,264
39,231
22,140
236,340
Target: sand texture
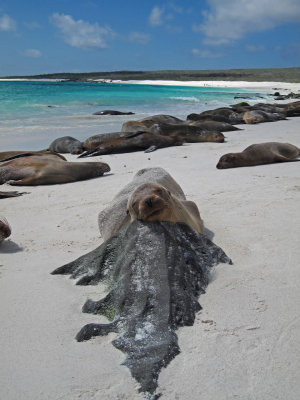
x,y
244,343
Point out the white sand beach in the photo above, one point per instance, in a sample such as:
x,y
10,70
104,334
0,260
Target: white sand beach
x,y
283,86
244,343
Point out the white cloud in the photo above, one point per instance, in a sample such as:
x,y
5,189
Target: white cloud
x,y
80,33
204,53
156,16
232,19
7,23
31,53
139,37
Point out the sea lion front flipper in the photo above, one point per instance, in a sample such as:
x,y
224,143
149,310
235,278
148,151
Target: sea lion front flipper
x,y
150,149
91,330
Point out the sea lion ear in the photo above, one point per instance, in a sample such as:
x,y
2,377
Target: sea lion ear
x,y
127,211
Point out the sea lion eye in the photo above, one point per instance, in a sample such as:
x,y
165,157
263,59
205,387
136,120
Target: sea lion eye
x,y
159,191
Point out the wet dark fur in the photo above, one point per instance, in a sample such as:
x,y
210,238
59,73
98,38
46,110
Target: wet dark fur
x,y
155,273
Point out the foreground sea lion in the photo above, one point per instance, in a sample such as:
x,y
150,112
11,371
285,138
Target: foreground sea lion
x,y
151,202
114,216
36,170
133,142
11,155
261,153
154,273
66,144
5,229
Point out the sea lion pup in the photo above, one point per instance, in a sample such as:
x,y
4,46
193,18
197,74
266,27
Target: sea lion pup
x,y
134,142
112,218
36,170
261,153
5,229
66,144
151,202
11,155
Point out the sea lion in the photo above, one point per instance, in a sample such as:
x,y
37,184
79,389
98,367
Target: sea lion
x,y
11,155
254,116
37,170
66,144
151,202
187,133
227,113
143,124
261,153
5,229
133,142
211,125
114,216
112,112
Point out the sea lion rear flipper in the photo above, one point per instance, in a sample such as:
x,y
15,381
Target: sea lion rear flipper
x,y
90,330
150,149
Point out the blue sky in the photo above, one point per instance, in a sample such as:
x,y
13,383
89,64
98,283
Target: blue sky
x,y
38,37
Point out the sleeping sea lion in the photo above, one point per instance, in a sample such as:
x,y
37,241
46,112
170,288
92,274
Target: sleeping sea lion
x,y
133,142
37,170
66,144
187,133
151,202
258,116
211,125
261,153
11,155
5,229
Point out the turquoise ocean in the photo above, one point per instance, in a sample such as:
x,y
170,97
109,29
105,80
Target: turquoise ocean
x,y
34,113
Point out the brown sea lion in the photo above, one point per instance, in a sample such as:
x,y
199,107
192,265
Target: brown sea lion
x,y
151,202
143,124
66,144
93,142
5,229
210,125
133,142
261,153
227,113
258,116
114,216
187,133
37,170
11,155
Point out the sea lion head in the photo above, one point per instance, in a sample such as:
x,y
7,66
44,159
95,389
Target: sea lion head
x,y
229,160
150,202
217,137
5,229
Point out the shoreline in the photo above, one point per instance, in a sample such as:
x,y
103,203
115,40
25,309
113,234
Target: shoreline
x,y
265,85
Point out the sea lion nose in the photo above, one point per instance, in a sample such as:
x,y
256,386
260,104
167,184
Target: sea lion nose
x,y
148,201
